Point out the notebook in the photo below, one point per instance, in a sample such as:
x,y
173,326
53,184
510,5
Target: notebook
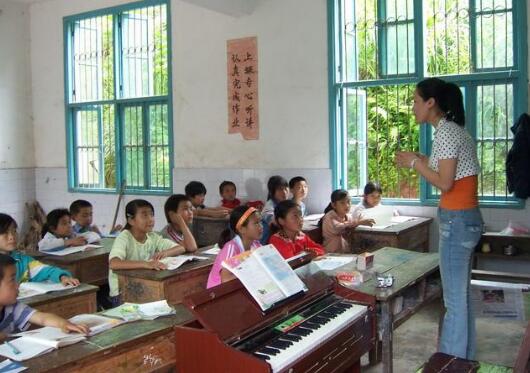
x,y
70,250
96,323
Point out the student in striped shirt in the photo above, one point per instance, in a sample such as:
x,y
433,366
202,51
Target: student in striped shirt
x,y
16,317
179,214
29,269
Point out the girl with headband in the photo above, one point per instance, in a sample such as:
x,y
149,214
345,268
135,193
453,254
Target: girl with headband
x,y
243,234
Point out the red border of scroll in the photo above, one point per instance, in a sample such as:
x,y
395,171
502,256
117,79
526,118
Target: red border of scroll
x,y
242,74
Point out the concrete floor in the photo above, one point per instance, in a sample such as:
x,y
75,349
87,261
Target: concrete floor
x,y
415,341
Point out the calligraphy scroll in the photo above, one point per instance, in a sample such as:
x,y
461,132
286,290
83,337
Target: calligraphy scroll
x,y
242,72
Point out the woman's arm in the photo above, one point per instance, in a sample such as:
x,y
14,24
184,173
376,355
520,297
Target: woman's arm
x,y
443,179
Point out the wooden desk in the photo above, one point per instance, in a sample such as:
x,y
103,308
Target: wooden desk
x,y
90,266
147,285
313,230
141,346
66,303
207,230
416,283
410,235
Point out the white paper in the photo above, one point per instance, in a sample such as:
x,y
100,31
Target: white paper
x,y
174,262
152,310
8,366
402,219
29,289
71,250
96,323
146,311
90,237
27,349
212,251
329,263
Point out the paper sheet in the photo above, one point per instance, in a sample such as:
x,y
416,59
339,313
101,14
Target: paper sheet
x,y
329,263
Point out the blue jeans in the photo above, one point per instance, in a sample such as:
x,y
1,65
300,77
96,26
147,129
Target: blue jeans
x,y
460,231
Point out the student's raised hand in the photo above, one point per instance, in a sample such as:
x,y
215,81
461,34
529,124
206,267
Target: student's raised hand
x,y
66,280
68,327
76,241
368,222
155,264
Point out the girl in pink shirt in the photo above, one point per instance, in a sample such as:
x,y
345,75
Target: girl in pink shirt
x,y
243,234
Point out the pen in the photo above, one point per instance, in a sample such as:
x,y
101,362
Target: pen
x,y
15,350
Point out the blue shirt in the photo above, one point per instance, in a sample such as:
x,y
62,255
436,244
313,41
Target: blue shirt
x,y
15,318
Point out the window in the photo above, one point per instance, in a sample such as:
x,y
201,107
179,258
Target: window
x,y
379,51
118,99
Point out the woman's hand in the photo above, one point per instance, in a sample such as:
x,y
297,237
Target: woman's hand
x,y
404,159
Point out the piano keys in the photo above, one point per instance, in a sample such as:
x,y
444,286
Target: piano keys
x,y
328,329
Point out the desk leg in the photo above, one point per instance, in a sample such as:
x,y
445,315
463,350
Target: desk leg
x,y
386,335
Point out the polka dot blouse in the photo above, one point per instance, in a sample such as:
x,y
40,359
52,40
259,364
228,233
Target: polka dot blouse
x,y
452,141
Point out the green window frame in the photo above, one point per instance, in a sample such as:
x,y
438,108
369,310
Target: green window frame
x,y
118,100
363,69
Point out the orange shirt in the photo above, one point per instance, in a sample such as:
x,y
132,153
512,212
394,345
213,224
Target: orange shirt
x,y
462,196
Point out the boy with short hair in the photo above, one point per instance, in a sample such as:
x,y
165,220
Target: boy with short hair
x,y
179,214
196,192
228,190
298,187
16,317
81,212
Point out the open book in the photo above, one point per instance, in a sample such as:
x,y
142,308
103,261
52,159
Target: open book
x,y
266,275
37,342
146,311
96,323
174,262
62,251
29,289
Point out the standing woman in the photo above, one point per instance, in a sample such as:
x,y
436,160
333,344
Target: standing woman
x,y
453,168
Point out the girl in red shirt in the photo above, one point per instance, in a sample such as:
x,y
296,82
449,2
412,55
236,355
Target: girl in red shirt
x,y
290,240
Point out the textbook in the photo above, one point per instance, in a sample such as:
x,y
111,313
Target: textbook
x,y
30,289
266,275
146,311
96,323
174,262
38,342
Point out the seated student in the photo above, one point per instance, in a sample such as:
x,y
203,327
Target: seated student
x,y
196,192
227,190
29,269
137,246
57,232
371,198
16,317
243,234
179,215
337,220
290,240
81,212
278,191
298,187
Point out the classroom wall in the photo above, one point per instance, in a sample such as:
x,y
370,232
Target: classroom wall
x,y
17,178
293,104
293,97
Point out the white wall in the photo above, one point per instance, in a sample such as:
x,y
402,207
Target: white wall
x,y
293,84
17,180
